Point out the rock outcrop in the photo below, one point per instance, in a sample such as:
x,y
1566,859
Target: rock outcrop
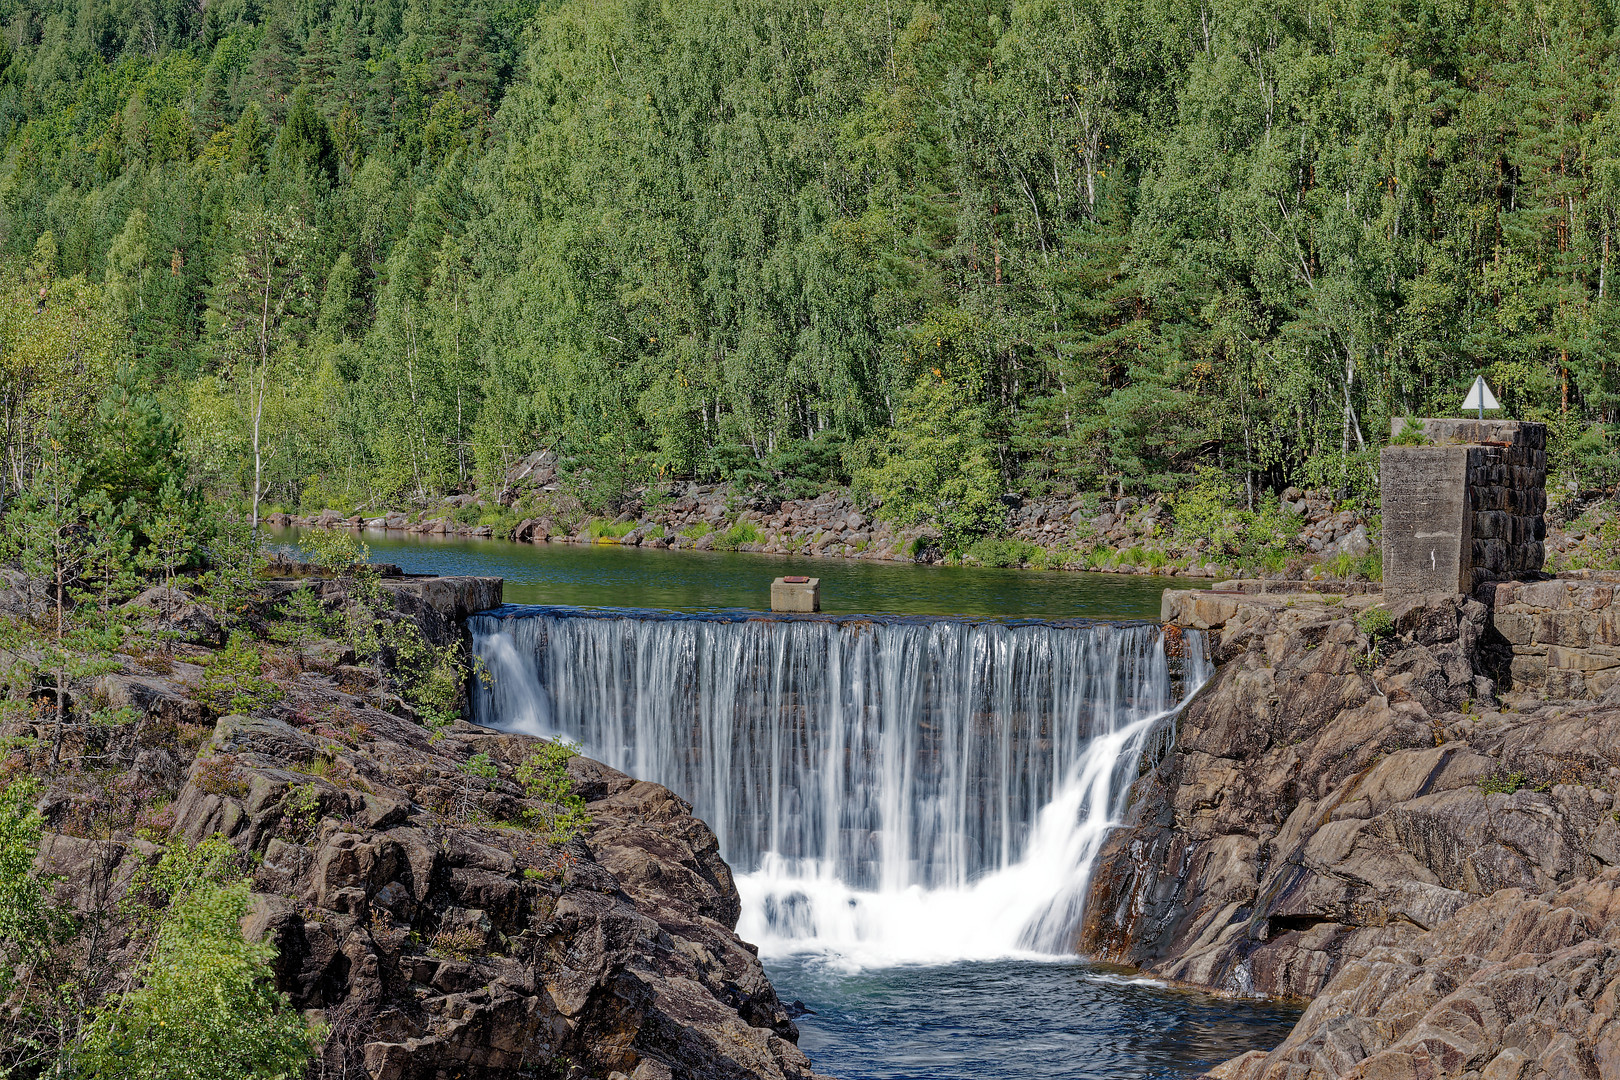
x,y
420,901
1348,817
440,937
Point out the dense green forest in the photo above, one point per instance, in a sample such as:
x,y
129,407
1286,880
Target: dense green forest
x,y
381,249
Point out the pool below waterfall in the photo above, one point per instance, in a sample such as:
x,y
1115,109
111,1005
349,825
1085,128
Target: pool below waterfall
x,y
1015,1020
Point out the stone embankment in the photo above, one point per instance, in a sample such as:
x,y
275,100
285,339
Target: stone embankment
x,y
1355,814
417,907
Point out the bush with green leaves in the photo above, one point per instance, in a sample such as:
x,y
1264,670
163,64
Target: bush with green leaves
x,y
740,533
28,922
233,678
336,551
935,467
1376,622
1213,508
544,775
1001,551
203,1004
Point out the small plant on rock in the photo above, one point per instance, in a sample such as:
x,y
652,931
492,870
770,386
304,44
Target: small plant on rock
x,y
1503,782
1376,622
544,776
462,943
302,809
234,679
479,774
218,775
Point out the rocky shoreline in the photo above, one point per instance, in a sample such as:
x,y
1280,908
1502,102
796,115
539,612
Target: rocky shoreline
x,y
1354,815
419,916
1124,535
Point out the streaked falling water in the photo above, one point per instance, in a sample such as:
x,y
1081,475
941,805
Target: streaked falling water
x,y
887,789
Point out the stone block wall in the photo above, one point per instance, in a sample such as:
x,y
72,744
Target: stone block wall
x,y
1467,509
1564,633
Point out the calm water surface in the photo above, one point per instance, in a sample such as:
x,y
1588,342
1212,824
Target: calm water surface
x,y
606,575
1013,1020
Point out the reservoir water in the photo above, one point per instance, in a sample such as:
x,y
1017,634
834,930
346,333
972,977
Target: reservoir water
x,y
911,797
607,575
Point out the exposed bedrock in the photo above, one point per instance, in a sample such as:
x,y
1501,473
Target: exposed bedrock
x,y
439,936
441,948
1349,817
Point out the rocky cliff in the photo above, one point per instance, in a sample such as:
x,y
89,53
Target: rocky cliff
x,y
418,910
453,941
1349,816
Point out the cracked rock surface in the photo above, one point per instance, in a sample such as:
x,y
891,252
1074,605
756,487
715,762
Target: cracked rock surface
x,y
436,947
1348,817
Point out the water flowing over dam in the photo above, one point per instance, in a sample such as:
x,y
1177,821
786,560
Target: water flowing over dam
x,y
887,789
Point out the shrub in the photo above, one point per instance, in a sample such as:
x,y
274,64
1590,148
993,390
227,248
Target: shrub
x,y
430,676
337,551
1376,622
218,775
1502,782
233,679
601,530
697,530
1000,552
935,466
28,923
302,809
743,532
463,943
544,776
1411,434
204,1003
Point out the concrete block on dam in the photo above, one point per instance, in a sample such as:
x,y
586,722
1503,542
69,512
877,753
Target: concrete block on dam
x,y
797,594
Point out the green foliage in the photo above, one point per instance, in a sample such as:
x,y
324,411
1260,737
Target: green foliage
x,y
302,809
233,679
597,529
431,676
336,551
1001,552
1376,622
1503,782
740,533
235,554
482,768
1410,434
934,467
362,258
204,1006
28,923
303,618
544,775
1212,508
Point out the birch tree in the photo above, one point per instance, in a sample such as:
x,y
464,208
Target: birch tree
x,y
264,296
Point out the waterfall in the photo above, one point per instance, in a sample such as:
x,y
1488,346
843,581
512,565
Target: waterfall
x,y
887,789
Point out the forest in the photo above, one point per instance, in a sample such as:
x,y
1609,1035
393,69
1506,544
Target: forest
x,y
363,252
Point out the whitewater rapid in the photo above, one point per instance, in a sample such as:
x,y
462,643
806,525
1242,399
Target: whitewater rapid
x,y
888,791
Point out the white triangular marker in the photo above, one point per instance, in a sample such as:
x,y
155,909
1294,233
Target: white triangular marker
x,y
1480,397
